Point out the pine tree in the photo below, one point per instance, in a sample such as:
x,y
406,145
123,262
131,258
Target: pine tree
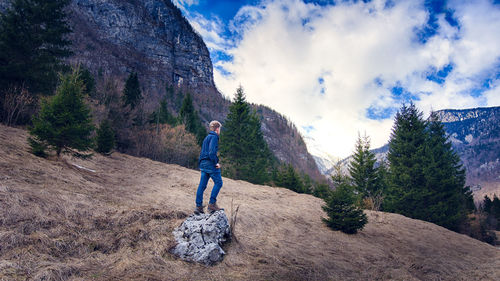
x,y
88,81
407,192
132,91
162,115
342,212
364,175
245,153
33,42
495,208
287,177
426,179
321,190
189,117
64,122
307,183
486,204
105,137
446,194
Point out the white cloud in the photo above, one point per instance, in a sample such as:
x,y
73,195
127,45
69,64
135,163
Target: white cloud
x,y
185,3
285,48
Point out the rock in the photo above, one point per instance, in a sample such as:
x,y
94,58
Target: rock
x,y
200,237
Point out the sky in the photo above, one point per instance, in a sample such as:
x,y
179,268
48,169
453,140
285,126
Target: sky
x,y
338,69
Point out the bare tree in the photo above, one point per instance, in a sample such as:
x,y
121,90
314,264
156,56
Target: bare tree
x,y
16,102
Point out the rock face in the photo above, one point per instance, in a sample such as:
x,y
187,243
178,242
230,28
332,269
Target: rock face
x,y
150,37
200,237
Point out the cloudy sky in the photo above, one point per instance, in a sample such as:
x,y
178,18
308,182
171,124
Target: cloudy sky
x,y
339,68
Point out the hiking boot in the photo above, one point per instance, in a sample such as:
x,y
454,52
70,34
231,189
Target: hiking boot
x,y
199,210
213,207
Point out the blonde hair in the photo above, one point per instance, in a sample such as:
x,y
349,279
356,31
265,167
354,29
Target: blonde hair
x,y
214,125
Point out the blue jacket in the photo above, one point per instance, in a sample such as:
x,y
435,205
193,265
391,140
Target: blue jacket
x,y
208,154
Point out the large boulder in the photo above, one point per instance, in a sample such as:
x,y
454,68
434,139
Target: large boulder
x,y
200,237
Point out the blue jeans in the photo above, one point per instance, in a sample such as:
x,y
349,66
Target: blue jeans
x,y
205,176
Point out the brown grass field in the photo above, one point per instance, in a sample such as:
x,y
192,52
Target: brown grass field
x,y
111,218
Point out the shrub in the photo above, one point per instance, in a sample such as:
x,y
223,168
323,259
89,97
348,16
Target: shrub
x,y
171,145
342,213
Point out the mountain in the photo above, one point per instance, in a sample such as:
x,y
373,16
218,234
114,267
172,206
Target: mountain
x,y
324,160
113,38
111,218
475,136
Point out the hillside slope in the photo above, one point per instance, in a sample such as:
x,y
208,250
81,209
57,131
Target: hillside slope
x,y
110,218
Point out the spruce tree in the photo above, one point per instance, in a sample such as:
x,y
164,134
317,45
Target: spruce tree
x,y
189,117
245,153
33,42
322,190
105,137
446,200
486,204
407,191
287,177
495,208
132,91
88,81
64,122
426,179
307,184
342,212
364,175
162,115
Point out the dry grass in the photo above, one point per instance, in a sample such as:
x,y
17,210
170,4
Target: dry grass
x,y
61,222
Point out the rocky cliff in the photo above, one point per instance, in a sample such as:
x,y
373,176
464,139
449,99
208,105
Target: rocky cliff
x,y
151,37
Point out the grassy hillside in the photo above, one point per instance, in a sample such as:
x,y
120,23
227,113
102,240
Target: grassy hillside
x,y
110,218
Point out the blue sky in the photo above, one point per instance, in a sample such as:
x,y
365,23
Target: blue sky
x,y
339,68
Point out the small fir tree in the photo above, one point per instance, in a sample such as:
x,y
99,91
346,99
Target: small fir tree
x,y
105,137
132,92
162,116
495,210
287,177
64,122
486,204
88,81
321,190
363,173
308,184
342,212
189,117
